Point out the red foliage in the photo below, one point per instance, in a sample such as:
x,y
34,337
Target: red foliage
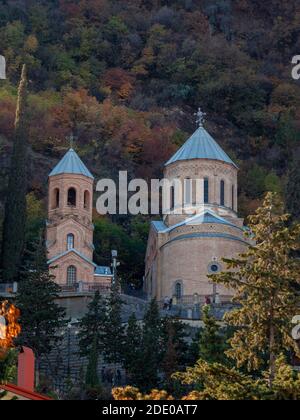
x,y
7,117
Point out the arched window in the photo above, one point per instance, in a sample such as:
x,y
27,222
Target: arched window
x,y
206,191
71,275
55,199
87,200
72,197
188,189
178,290
70,241
232,197
222,193
172,198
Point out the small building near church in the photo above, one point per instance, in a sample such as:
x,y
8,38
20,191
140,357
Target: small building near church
x,y
184,249
70,227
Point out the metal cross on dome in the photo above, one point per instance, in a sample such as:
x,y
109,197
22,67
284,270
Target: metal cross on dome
x,y
71,140
200,117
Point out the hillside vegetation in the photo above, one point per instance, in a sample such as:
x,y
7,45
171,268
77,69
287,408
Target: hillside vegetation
x,y
127,76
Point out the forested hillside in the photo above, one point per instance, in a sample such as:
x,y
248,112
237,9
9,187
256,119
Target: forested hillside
x,y
126,76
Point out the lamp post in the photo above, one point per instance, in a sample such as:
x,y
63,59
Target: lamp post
x,y
115,264
69,349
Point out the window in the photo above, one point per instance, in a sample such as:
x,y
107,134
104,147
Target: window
x,y
206,191
55,199
71,275
214,268
188,187
222,193
70,241
232,197
172,198
72,197
178,290
86,200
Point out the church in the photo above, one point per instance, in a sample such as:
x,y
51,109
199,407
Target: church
x,y
183,249
69,237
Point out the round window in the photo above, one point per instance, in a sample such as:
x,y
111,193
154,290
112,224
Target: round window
x,y
214,268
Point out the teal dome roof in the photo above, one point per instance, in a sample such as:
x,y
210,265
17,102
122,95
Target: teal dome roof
x,y
71,164
201,145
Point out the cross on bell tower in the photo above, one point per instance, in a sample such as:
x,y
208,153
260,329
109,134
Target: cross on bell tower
x,y
200,117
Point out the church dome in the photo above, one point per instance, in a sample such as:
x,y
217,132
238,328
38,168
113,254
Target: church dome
x,y
201,145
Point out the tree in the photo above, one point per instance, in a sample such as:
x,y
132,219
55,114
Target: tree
x,y
92,378
91,327
41,317
91,333
264,279
113,333
170,361
152,346
133,358
293,189
211,343
15,207
8,366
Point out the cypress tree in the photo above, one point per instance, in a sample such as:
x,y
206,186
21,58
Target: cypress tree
x,y
15,207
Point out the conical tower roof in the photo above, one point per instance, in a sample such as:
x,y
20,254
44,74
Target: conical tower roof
x,y
71,164
201,145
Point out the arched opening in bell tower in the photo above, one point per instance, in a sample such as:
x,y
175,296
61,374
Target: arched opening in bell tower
x,y
72,197
87,200
55,199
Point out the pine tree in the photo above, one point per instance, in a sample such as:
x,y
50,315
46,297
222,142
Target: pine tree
x,y
15,207
91,327
264,280
133,358
113,337
41,317
92,378
152,346
211,343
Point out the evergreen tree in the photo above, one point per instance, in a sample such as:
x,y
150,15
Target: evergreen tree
x,y
15,207
211,342
264,279
133,358
113,337
41,317
91,327
151,347
293,190
92,378
170,362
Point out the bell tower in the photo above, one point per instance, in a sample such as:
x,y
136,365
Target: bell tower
x,y
69,226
